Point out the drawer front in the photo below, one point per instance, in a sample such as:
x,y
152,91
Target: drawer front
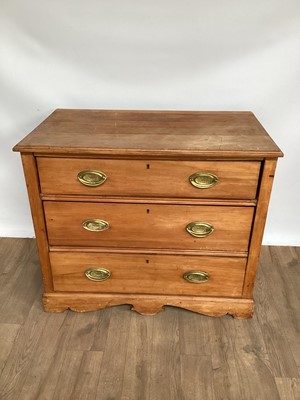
x,y
192,179
155,274
148,225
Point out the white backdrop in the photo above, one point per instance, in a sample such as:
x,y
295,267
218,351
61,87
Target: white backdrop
x,y
158,54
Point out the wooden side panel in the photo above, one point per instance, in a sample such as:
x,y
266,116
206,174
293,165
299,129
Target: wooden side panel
x,y
153,274
148,225
259,225
33,189
236,180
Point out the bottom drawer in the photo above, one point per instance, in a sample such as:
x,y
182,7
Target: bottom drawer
x,y
147,274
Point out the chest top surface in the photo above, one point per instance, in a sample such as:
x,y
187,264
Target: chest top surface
x,y
151,133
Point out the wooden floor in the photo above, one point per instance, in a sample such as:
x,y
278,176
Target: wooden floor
x,y
116,354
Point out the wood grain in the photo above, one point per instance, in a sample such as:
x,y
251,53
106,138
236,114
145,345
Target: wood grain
x,y
149,304
194,337
259,225
278,310
148,226
33,189
88,373
151,133
152,200
148,203
117,354
14,373
41,360
126,250
288,388
200,367
236,180
111,378
165,367
69,375
16,301
153,274
8,334
137,380
238,347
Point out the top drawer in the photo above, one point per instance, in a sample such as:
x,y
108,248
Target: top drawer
x,y
192,179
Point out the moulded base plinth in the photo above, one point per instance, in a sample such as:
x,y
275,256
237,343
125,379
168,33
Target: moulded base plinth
x,y
149,304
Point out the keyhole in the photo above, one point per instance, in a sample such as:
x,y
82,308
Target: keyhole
x,y
148,166
147,261
148,211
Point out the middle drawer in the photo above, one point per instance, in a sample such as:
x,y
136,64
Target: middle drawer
x,y
148,226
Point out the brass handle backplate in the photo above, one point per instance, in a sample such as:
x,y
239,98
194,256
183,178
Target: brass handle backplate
x,y
199,229
95,225
203,180
97,274
91,178
196,276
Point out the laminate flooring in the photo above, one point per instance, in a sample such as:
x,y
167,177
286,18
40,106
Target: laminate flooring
x,y
117,354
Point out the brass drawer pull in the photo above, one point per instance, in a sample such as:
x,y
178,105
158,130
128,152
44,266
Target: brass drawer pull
x,y
97,274
203,180
196,276
91,178
199,229
95,225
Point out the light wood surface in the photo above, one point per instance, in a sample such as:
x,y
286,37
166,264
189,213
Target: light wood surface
x,y
38,218
236,180
146,273
149,304
126,250
151,133
117,354
259,225
152,200
146,205
147,225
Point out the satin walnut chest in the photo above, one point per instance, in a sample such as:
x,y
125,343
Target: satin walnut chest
x,y
149,208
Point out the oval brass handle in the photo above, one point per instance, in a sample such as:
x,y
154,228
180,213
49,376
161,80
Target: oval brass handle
x,y
95,225
196,276
203,180
97,274
91,178
200,229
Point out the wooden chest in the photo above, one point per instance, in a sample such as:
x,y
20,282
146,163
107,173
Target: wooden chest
x,y
149,208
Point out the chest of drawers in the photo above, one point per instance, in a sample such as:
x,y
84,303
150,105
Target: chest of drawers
x,y
149,208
